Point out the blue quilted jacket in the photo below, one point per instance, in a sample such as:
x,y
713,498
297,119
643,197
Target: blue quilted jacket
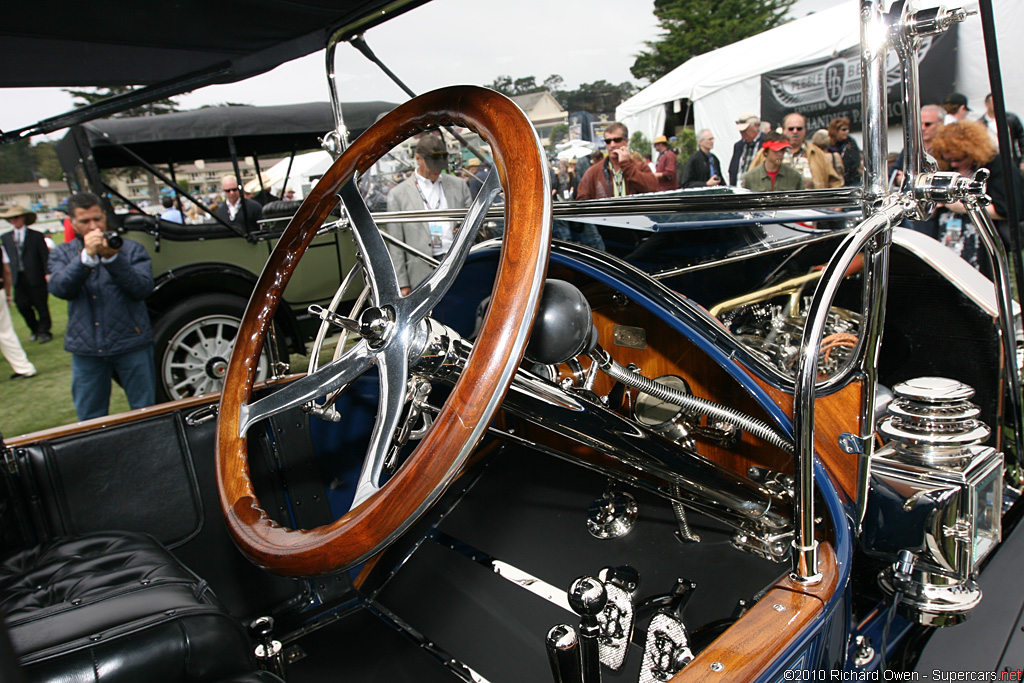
x,y
106,304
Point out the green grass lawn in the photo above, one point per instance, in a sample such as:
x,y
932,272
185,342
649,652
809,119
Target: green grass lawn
x,y
44,401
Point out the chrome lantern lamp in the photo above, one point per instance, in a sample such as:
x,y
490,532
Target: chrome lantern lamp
x,y
936,492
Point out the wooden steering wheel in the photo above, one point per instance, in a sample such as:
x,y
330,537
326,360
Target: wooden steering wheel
x,y
392,331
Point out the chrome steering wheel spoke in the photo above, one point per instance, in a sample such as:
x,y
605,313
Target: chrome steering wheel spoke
x,y
332,376
380,271
393,363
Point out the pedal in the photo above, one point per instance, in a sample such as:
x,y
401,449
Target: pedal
x,y
618,616
667,649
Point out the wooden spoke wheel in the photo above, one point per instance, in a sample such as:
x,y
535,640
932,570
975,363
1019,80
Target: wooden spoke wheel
x,y
382,511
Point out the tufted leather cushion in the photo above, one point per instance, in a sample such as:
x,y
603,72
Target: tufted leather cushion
x,y
116,607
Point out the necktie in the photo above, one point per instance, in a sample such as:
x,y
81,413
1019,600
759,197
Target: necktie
x,y
21,250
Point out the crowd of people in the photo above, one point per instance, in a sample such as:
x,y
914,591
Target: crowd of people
x,y
108,333
957,142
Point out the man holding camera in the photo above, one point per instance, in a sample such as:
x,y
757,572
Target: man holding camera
x,y
108,333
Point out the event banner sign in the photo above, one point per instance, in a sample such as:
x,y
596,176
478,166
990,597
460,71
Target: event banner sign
x,y
829,88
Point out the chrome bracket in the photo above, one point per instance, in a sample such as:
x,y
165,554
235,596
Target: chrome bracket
x,y
851,443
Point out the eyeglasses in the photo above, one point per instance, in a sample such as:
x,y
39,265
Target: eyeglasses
x,y
795,128
231,189
615,140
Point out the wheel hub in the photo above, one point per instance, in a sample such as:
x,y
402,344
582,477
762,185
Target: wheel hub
x,y
217,367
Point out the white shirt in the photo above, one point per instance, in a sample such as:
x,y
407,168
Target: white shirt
x,y
441,232
233,208
431,192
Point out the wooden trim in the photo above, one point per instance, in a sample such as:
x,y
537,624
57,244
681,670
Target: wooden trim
x,y
752,645
834,414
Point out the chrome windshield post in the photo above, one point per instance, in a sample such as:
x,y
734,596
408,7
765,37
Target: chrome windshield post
x,y
336,141
874,230
907,27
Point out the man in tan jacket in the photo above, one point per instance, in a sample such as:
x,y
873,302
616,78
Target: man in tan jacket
x,y
813,164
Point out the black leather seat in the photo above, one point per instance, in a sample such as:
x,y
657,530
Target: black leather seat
x,y
117,606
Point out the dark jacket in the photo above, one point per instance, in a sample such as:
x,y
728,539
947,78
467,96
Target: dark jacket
x,y
697,171
596,183
106,304
252,212
735,173
1016,134
758,180
35,254
852,168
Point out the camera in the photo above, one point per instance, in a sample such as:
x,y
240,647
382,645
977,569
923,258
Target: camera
x,y
114,241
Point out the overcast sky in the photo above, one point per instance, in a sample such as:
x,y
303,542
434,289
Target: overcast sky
x,y
581,40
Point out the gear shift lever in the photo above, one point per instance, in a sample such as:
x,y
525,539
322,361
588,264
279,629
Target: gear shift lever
x,y
269,652
587,597
564,654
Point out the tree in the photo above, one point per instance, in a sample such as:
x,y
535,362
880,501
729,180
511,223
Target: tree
x,y
639,143
17,164
510,87
559,132
599,97
693,27
47,165
553,83
164,106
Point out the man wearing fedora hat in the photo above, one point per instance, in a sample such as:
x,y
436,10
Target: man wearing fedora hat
x,y
428,188
665,171
28,254
749,127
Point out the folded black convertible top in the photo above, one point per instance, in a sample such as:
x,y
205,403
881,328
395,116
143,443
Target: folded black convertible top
x,y
203,133
170,48
127,42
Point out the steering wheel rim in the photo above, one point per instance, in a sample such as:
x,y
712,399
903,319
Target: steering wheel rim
x,y
368,527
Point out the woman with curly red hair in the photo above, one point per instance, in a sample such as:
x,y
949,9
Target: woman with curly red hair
x,y
964,147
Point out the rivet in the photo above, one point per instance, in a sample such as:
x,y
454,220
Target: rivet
x,y
779,608
717,666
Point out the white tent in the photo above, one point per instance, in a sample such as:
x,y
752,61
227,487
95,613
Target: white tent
x,y
302,173
722,84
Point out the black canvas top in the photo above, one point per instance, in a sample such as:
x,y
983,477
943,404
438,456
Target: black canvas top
x,y
203,133
126,42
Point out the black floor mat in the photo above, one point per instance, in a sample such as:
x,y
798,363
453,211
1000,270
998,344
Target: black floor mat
x,y
361,648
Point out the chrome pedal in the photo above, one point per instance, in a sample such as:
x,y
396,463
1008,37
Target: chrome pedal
x,y
617,618
667,650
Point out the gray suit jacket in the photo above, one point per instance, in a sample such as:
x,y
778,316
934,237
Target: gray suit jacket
x,y
406,197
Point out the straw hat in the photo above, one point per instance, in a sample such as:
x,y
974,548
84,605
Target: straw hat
x,y
15,210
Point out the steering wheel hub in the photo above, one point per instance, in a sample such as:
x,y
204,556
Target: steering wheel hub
x,y
376,325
